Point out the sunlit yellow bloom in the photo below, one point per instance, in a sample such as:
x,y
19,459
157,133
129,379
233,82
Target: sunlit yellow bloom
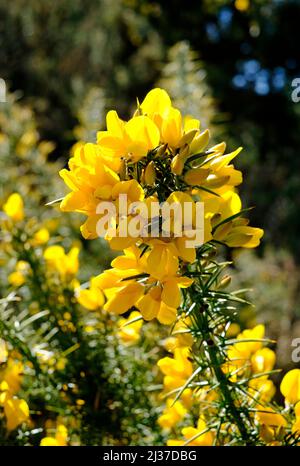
x,y
131,140
58,261
290,386
187,208
131,262
176,370
96,172
241,235
262,389
40,237
14,207
239,354
129,333
59,440
16,412
234,232
149,174
27,140
269,417
91,298
252,340
198,437
263,360
296,425
182,333
61,364
91,181
172,414
242,5
159,300
172,128
18,277
156,106
233,330
13,375
215,172
162,261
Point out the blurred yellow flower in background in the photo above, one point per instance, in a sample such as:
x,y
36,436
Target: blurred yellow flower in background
x,y
14,207
290,386
58,440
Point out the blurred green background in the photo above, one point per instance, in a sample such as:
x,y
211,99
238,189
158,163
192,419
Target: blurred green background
x,y
229,63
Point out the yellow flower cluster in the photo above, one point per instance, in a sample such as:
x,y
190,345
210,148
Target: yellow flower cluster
x,y
15,409
14,207
57,261
290,389
156,156
58,437
248,360
155,295
129,332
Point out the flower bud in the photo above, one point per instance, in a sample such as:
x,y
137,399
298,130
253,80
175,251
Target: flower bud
x,y
224,282
218,148
161,150
177,165
150,173
184,151
123,170
196,176
188,137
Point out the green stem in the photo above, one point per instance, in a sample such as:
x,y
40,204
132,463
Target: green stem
x,y
215,360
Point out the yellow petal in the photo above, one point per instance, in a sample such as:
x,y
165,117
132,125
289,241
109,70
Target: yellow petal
x,y
290,386
16,412
171,294
124,298
49,442
156,101
166,315
114,124
14,207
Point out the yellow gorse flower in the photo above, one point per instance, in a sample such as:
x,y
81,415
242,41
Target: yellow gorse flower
x,y
16,410
290,386
161,156
18,277
66,265
42,236
199,436
157,296
91,298
249,358
14,207
176,370
96,171
127,160
172,414
58,440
